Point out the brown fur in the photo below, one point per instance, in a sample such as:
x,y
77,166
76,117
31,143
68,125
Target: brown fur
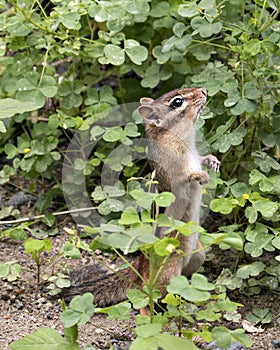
x,y
170,130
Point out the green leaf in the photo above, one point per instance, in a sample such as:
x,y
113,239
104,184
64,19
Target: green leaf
x,y
266,207
70,20
129,216
80,311
259,315
45,339
4,270
238,189
251,91
137,298
110,205
221,205
222,336
10,107
188,10
204,28
243,105
200,282
37,245
171,342
114,54
135,52
166,246
253,269
251,214
164,199
149,330
114,134
34,96
179,29
258,241
160,10
119,312
48,86
180,285
252,47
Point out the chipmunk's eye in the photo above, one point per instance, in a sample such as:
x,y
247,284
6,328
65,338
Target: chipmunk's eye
x,y
177,102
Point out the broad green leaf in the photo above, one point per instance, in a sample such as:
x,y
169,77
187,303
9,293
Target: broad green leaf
x,y
110,205
180,285
253,269
80,311
137,298
4,270
129,216
119,312
266,207
243,105
114,134
222,336
179,29
36,245
164,199
200,282
114,54
259,315
166,246
188,10
258,242
171,342
18,26
238,189
160,9
149,330
48,86
221,205
251,214
2,127
98,194
10,107
252,47
44,339
137,54
34,96
70,20
204,28
251,91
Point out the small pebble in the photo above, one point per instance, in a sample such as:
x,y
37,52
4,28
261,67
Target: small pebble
x,y
33,318
99,330
49,316
41,300
18,304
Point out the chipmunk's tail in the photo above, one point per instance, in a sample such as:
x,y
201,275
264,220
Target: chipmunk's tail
x,y
108,288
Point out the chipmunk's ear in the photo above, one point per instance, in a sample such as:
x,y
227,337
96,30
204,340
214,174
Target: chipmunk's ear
x,y
150,115
146,100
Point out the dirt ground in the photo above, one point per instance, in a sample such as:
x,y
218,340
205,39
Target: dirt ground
x,y
25,308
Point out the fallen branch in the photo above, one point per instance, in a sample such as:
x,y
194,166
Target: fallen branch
x,y
36,217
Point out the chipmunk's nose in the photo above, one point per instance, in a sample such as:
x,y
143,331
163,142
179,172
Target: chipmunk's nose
x,y
204,91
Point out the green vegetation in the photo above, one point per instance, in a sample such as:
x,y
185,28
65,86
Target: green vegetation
x,y
66,67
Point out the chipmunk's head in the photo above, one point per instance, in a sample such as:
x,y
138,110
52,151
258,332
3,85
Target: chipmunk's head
x,y
173,107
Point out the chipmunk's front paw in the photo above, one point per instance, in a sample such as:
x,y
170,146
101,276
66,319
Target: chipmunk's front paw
x,y
201,176
211,162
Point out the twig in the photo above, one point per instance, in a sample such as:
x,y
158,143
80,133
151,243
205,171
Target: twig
x,y
36,217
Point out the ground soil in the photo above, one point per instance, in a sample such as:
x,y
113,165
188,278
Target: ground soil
x,y
25,307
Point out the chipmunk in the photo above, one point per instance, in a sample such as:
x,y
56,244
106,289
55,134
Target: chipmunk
x,y
170,130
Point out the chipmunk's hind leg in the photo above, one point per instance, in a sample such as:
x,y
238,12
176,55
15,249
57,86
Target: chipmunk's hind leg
x,y
195,261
